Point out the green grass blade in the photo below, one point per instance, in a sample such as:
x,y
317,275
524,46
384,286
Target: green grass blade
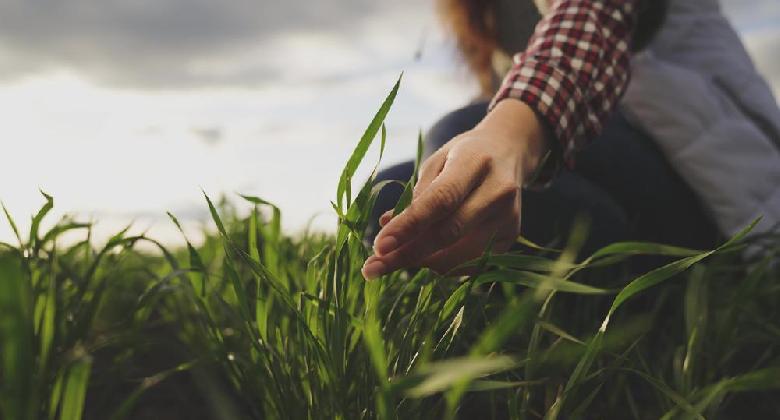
x,y
406,195
643,248
196,262
455,300
441,376
75,390
36,221
638,285
16,340
362,147
529,244
47,330
125,409
662,387
515,316
58,230
215,216
13,225
651,279
539,281
525,262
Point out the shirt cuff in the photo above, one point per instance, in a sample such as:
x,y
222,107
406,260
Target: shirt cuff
x,y
573,73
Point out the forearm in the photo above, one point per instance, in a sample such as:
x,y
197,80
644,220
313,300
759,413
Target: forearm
x,y
575,69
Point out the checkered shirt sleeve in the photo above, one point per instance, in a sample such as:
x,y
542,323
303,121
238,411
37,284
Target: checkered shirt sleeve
x,y
574,71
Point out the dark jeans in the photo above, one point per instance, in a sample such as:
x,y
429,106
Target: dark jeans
x,y
622,185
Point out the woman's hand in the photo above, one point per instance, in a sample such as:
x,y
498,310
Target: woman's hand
x,y
467,193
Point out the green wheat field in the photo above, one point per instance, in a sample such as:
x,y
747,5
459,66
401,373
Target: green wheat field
x,y
257,324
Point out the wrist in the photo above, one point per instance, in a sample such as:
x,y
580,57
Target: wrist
x,y
512,119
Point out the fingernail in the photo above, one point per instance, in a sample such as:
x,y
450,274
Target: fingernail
x,y
385,245
373,269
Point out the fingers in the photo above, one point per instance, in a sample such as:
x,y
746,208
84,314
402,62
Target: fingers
x,y
467,249
373,268
458,177
385,217
429,170
470,247
406,256
491,200
462,236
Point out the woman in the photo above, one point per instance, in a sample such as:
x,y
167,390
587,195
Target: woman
x,y
559,94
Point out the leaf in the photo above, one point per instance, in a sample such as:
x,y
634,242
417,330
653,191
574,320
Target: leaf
x,y
538,281
651,279
483,385
525,242
215,216
452,330
559,332
758,380
695,311
126,407
36,220
362,147
56,231
372,337
664,389
47,330
455,300
579,412
526,262
17,348
257,200
440,376
638,285
196,263
594,345
13,225
643,248
406,196
516,315
75,390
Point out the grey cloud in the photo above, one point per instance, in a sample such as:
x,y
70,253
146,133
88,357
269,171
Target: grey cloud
x,y
170,44
157,43
209,135
763,48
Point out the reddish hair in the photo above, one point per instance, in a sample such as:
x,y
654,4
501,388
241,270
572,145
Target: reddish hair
x,y
472,22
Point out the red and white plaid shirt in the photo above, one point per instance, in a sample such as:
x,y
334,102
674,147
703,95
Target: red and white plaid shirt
x,y
575,69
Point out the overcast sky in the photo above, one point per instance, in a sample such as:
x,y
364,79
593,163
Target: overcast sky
x,y
164,44
123,109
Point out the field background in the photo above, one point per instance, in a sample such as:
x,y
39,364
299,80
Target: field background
x,y
122,110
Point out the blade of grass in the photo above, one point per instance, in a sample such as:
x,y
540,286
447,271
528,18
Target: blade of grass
x,y
13,225
406,195
75,390
440,376
36,221
362,147
130,402
16,341
539,281
640,284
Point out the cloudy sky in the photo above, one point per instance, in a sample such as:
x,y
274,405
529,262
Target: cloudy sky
x,y
124,109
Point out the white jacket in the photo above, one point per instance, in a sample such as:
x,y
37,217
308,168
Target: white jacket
x,y
698,94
